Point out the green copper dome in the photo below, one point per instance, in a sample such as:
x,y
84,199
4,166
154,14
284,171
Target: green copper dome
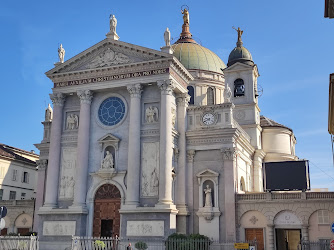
x,y
195,56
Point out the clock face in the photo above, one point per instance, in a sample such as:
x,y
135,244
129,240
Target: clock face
x,y
111,111
208,119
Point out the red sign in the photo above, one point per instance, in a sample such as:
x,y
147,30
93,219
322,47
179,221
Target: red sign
x,y
332,244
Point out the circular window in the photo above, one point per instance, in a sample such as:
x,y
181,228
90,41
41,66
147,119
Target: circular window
x,y
111,111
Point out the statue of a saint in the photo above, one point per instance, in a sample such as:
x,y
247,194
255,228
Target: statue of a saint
x,y
61,53
72,122
113,24
154,183
227,93
167,37
208,197
108,161
48,113
70,186
62,186
185,13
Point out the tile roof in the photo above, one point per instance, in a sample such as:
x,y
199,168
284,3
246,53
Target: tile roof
x,y
266,122
9,152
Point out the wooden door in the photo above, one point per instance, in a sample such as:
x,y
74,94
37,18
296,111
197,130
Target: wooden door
x,y
106,207
255,233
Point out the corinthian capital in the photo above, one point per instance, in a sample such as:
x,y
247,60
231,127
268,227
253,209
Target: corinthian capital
x,y
57,99
191,155
42,164
166,86
135,90
85,96
183,99
228,153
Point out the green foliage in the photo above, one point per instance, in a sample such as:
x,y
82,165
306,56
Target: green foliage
x,y
141,245
100,244
187,242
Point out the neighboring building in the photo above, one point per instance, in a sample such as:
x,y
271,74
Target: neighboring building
x,y
17,188
130,153
331,105
329,8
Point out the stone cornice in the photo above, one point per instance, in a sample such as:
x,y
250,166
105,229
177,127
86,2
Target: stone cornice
x,y
212,107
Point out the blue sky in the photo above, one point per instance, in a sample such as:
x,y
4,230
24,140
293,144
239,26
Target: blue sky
x,y
290,41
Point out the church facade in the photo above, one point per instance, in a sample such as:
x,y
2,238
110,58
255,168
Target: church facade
x,y
143,143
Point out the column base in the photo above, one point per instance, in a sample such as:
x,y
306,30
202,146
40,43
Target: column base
x,y
165,206
183,209
78,208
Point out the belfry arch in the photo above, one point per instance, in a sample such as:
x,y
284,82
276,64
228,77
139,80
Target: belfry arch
x,y
107,202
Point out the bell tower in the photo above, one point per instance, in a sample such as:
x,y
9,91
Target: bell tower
x,y
241,76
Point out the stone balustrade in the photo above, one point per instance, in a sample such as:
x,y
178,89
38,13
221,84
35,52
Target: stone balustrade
x,y
286,196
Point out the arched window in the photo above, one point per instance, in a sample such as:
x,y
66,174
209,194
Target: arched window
x,y
191,92
239,87
210,96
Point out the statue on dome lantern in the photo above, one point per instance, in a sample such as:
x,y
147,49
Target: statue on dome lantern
x,y
185,13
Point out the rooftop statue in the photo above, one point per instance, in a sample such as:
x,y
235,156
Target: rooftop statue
x,y
239,35
113,24
61,53
185,13
167,37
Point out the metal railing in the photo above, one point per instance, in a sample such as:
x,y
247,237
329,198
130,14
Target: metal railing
x,y
19,243
315,245
94,243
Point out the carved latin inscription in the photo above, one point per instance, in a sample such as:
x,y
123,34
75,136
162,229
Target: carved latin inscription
x,y
60,228
145,228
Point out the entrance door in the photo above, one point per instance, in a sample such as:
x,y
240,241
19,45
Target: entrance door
x,y
287,239
255,234
106,211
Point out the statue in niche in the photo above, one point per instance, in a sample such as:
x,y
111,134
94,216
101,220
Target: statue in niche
x,y
185,13
61,53
227,93
108,161
208,196
70,186
113,24
167,37
151,114
72,122
154,182
48,113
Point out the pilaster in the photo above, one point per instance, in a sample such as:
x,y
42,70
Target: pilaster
x,y
190,188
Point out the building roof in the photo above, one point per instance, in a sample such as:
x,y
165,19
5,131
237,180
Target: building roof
x,y
13,154
266,122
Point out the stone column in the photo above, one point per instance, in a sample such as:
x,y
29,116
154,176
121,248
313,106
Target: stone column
x,y
166,142
228,158
80,187
133,175
42,164
181,204
270,234
52,181
258,158
190,188
305,235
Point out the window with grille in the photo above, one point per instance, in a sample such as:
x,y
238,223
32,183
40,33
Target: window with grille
x,y
12,195
25,177
23,196
323,217
191,92
1,194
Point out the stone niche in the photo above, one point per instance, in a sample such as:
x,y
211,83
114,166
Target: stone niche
x,y
208,212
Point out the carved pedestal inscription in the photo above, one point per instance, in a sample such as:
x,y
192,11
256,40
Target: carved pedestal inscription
x,y
145,228
150,169
59,228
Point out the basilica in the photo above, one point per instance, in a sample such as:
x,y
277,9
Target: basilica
x,y
142,143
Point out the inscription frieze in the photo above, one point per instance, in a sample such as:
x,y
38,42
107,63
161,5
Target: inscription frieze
x,y
111,78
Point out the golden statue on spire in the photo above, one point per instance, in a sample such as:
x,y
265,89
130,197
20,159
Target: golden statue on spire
x,y
239,33
185,13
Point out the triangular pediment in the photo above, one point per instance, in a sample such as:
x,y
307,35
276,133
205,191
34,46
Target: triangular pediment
x,y
108,138
207,173
238,67
105,54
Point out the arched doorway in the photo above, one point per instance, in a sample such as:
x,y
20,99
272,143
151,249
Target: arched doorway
x,y
107,203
